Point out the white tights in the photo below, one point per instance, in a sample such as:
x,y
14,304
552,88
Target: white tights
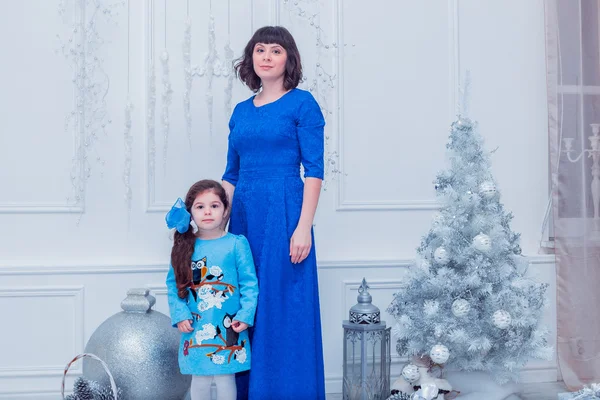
x,y
201,387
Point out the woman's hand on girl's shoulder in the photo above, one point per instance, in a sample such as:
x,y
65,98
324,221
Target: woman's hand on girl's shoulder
x,y
185,326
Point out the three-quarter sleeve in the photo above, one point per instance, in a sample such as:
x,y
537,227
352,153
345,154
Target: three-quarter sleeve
x,y
177,306
311,125
247,281
232,170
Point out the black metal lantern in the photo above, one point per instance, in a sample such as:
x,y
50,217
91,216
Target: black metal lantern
x,y
366,351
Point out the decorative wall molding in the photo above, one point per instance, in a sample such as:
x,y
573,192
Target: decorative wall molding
x,y
77,295
39,208
536,259
51,207
39,269
342,203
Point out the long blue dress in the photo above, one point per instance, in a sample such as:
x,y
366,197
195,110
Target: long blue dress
x,y
266,146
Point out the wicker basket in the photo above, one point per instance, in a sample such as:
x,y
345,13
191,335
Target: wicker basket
x,y
112,381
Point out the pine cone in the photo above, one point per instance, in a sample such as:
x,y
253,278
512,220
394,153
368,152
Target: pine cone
x,y
71,397
107,394
397,395
82,390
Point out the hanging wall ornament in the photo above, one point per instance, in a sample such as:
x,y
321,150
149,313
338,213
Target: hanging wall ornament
x,y
460,307
166,97
228,64
151,100
187,75
482,242
128,154
89,118
501,319
487,189
128,137
441,256
322,82
210,68
439,354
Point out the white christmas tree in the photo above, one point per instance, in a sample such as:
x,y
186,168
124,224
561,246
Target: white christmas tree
x,y
466,302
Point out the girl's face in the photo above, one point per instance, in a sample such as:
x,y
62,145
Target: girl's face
x,y
269,61
207,212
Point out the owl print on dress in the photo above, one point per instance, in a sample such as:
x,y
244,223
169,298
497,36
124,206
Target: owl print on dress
x,y
230,349
209,281
231,336
199,270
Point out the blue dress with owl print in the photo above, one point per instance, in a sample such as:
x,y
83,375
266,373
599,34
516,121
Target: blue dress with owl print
x,y
224,288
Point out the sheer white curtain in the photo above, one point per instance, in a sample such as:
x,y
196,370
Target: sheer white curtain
x,y
573,72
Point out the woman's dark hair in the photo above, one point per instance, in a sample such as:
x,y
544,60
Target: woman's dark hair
x,y
244,67
183,243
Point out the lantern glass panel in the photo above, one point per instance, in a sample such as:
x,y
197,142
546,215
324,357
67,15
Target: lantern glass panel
x,y
366,364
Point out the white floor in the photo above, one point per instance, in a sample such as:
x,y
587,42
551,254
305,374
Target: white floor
x,y
530,391
542,391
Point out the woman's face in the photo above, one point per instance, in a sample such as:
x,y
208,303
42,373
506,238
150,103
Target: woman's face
x,y
269,61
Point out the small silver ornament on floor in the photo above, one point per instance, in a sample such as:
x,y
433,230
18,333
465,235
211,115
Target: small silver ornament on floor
x,y
140,348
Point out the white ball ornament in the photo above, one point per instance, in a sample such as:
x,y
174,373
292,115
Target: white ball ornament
x,y
411,373
460,307
487,189
482,242
439,354
501,319
441,256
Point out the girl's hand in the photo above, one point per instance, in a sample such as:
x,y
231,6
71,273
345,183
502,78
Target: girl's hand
x,y
300,244
239,326
185,326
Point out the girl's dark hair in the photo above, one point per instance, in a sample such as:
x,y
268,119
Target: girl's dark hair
x,y
244,67
183,243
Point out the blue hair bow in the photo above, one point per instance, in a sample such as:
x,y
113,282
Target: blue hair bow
x,y
178,217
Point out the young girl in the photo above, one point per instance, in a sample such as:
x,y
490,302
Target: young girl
x,y
212,291
271,134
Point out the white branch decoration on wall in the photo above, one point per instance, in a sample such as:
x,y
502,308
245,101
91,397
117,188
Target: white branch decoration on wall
x,y
127,132
91,83
167,97
150,116
128,153
229,75
187,75
322,83
211,67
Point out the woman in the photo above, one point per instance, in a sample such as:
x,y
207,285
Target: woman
x,y
271,134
